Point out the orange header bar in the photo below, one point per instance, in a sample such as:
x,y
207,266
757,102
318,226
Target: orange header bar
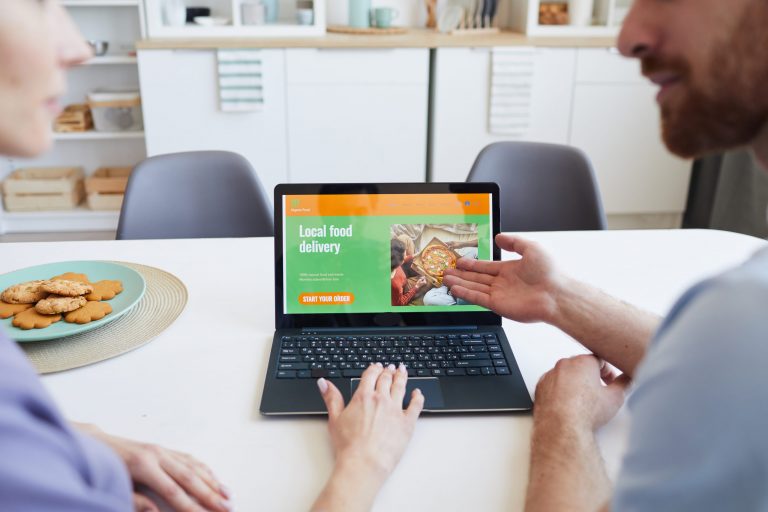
x,y
343,205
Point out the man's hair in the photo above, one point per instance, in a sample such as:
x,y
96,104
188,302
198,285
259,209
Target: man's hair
x,y
397,253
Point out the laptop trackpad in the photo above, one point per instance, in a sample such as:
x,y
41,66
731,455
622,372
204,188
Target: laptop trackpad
x,y
429,386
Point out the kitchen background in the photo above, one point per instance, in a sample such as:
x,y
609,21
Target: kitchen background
x,y
308,91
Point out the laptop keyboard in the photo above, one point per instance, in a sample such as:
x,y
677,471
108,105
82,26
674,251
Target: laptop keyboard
x,y
424,355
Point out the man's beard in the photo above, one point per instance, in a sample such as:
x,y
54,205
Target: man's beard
x,y
730,110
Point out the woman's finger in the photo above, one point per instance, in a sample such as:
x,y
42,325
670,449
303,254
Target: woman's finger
x,y
143,504
155,477
204,472
398,384
190,481
332,397
416,405
369,377
384,383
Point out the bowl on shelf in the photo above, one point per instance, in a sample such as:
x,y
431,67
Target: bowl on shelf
x,y
211,21
99,47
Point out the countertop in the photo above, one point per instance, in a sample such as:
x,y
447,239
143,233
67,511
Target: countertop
x,y
416,38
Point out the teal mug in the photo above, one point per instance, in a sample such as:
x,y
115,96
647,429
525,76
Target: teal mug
x,y
384,16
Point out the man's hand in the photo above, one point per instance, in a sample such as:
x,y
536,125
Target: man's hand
x,y
522,290
573,400
369,436
183,482
581,391
421,283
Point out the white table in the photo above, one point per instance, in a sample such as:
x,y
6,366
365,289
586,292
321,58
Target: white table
x,y
197,387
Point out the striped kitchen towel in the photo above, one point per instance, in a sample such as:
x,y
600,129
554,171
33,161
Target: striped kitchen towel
x,y
241,80
510,98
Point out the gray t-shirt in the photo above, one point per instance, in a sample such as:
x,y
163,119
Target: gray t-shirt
x,y
699,412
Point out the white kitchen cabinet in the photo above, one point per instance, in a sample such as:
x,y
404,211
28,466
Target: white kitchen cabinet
x,y
357,115
181,110
616,122
462,87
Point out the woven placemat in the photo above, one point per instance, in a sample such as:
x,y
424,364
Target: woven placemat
x,y
164,300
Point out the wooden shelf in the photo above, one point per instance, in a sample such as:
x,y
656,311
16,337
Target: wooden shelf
x,y
79,219
100,3
111,60
98,135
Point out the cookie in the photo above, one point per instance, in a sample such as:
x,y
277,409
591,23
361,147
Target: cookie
x,y
72,276
93,310
8,310
67,288
25,293
105,290
54,304
31,319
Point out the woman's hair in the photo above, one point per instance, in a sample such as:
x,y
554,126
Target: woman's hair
x,y
397,253
410,247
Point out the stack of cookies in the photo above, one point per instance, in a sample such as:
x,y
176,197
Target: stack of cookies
x,y
39,304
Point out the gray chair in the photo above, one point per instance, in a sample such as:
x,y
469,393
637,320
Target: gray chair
x,y
200,194
544,187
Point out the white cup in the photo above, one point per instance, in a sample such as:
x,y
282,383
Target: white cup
x,y
580,12
305,16
253,13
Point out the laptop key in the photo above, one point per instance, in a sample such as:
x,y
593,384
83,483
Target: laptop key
x,y
473,364
290,359
451,372
352,373
487,371
473,371
499,362
304,374
293,366
502,370
423,372
497,355
438,372
334,374
286,374
319,373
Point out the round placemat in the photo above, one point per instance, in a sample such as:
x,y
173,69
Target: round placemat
x,y
163,301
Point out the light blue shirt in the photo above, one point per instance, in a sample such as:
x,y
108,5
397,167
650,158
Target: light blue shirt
x,y
45,465
699,429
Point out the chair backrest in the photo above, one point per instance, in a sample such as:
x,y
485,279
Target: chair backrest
x,y
544,187
200,194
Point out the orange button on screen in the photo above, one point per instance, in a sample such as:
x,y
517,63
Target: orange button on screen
x,y
326,299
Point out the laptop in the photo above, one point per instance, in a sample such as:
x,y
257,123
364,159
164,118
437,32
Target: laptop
x,y
358,280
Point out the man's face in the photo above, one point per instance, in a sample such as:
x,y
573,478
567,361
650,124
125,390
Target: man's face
x,y
709,59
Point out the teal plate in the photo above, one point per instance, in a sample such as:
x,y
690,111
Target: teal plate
x,y
133,291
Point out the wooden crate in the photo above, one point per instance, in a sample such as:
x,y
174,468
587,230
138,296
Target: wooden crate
x,y
108,180
74,118
44,188
99,201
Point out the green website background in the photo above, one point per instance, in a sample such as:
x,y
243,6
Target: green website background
x,y
362,266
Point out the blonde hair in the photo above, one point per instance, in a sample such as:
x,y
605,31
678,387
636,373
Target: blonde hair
x,y
410,247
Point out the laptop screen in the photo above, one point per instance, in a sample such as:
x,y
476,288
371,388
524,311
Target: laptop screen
x,y
377,253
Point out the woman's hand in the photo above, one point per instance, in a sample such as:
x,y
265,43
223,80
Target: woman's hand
x,y
183,482
369,436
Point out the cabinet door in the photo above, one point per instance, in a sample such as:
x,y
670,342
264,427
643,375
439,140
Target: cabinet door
x,y
357,115
616,122
181,111
462,88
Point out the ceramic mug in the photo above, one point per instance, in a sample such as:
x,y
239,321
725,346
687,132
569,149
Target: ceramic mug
x,y
253,13
384,16
305,16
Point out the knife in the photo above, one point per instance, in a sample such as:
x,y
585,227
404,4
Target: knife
x,y
484,14
492,11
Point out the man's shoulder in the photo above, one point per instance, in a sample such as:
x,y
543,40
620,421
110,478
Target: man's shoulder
x,y
735,302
